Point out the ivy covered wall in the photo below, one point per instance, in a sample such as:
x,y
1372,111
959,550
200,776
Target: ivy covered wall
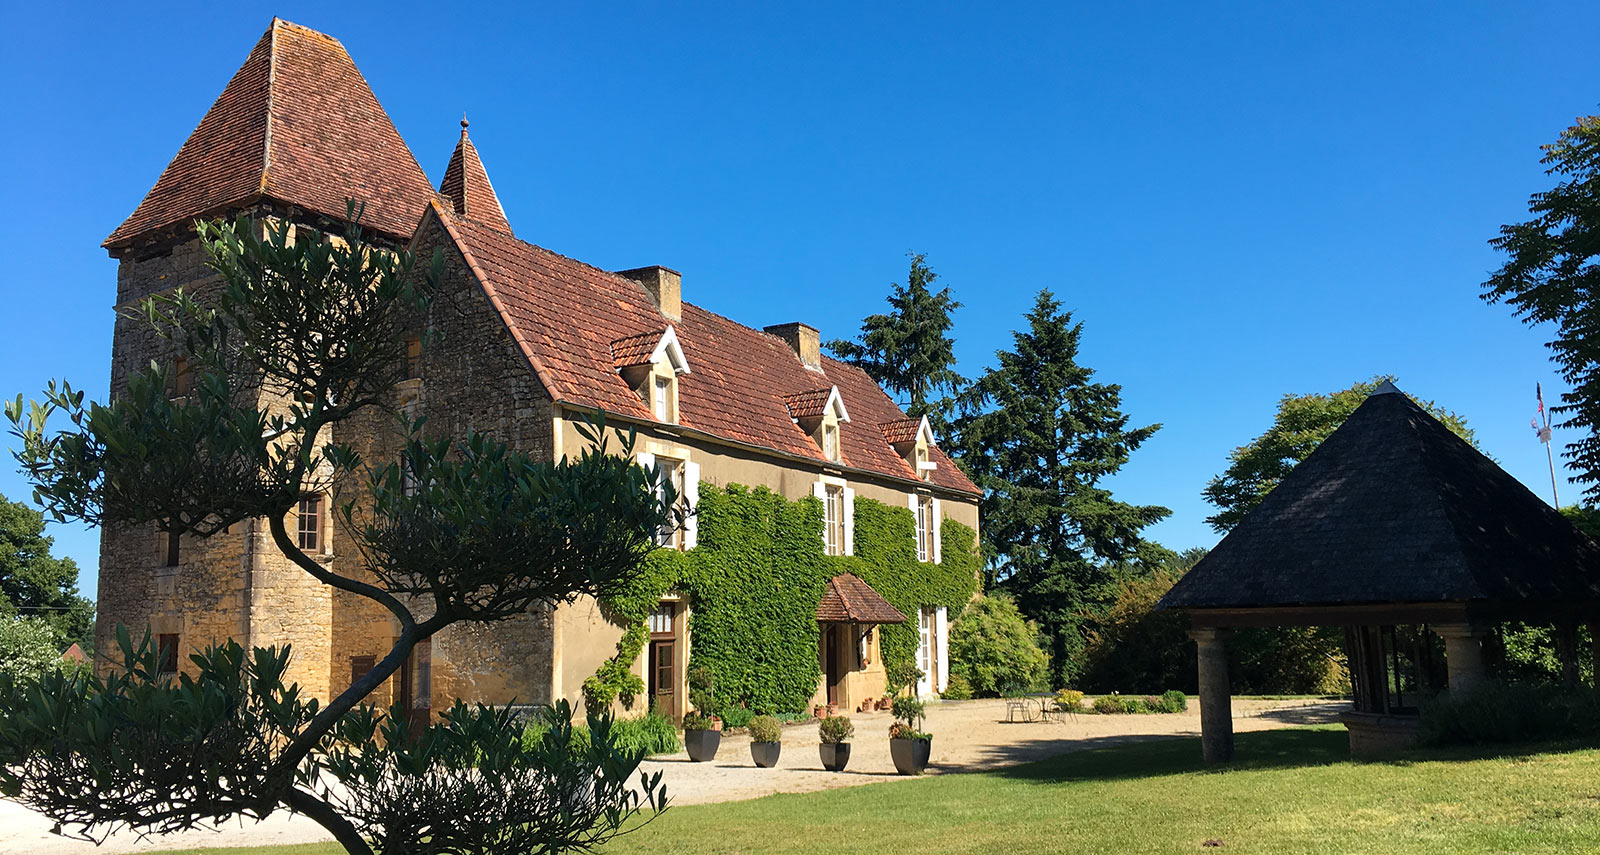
x,y
753,583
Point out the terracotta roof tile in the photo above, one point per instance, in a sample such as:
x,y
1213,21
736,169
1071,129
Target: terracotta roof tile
x,y
808,405
900,430
634,350
298,124
466,185
847,599
567,315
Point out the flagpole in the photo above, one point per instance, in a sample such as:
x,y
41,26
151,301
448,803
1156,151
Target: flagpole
x,y
1552,458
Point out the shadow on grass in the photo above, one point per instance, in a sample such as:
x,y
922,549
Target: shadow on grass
x,y
1123,758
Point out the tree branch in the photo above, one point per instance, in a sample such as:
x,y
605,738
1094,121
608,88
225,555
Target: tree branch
x,y
324,815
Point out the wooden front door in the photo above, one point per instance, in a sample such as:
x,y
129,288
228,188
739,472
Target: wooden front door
x,y
833,653
664,676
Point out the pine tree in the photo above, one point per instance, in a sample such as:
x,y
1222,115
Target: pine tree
x,y
1039,435
909,350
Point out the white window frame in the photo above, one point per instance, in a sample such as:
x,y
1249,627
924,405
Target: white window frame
x,y
661,398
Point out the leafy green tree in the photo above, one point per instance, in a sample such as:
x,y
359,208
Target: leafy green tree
x,y
302,337
909,350
995,649
1301,424
35,583
1552,277
1040,435
30,647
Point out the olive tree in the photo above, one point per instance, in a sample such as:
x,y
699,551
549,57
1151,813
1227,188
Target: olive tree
x,y
298,338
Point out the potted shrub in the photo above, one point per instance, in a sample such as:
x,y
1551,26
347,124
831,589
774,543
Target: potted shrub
x,y
885,703
766,739
835,732
701,735
909,746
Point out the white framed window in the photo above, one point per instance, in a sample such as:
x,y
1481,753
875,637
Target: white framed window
x,y
830,442
661,401
924,528
833,520
925,654
308,524
923,471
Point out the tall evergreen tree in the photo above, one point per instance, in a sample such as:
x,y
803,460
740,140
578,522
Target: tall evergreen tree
x,y
909,349
1039,435
1553,275
34,583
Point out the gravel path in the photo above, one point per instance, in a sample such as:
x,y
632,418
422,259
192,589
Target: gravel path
x,y
969,736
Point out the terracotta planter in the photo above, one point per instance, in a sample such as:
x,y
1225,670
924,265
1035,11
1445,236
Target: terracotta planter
x,y
835,755
910,755
702,744
819,711
765,753
885,703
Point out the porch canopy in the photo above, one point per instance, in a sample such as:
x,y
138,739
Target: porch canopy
x,y
1392,521
847,599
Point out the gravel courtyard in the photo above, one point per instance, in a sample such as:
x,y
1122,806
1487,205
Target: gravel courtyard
x,y
969,736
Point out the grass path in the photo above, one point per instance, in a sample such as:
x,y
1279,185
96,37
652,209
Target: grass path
x,y
1291,791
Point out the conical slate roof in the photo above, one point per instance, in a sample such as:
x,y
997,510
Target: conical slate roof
x,y
297,124
466,185
1394,508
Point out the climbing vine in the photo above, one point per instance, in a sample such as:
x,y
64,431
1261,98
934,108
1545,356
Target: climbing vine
x,y
753,583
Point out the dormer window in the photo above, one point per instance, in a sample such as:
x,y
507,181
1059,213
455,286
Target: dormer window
x,y
651,364
819,413
912,439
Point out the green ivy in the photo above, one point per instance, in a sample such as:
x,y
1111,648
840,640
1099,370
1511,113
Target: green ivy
x,y
753,583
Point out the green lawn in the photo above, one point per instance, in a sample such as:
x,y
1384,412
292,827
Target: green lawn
x,y
1291,791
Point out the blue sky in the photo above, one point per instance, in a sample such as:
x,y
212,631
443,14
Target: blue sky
x,y
1238,200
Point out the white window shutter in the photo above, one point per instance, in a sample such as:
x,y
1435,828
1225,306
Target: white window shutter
x,y
938,547
691,500
645,460
941,633
820,490
849,521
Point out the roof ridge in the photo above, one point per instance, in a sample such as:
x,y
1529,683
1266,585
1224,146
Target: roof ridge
x,y
272,80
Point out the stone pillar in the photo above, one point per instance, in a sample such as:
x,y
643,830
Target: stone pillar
x,y
1463,655
1567,652
1216,702
1594,653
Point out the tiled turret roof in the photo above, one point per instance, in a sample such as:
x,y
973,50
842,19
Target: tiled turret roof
x,y
297,124
466,185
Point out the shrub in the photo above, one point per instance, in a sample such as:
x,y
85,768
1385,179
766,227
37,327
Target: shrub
x,y
995,649
908,714
737,716
1510,712
958,689
1069,699
902,675
1115,704
765,728
648,734
703,690
1174,701
29,648
837,729
696,721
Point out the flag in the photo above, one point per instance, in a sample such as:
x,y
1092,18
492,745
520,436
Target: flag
x,y
1538,392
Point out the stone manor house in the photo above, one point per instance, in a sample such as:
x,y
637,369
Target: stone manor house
x,y
532,341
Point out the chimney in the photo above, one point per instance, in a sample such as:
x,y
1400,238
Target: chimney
x,y
664,287
805,341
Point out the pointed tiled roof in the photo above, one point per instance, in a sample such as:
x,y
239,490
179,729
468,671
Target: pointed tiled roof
x,y
466,185
297,124
632,350
901,430
1394,508
567,317
848,599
